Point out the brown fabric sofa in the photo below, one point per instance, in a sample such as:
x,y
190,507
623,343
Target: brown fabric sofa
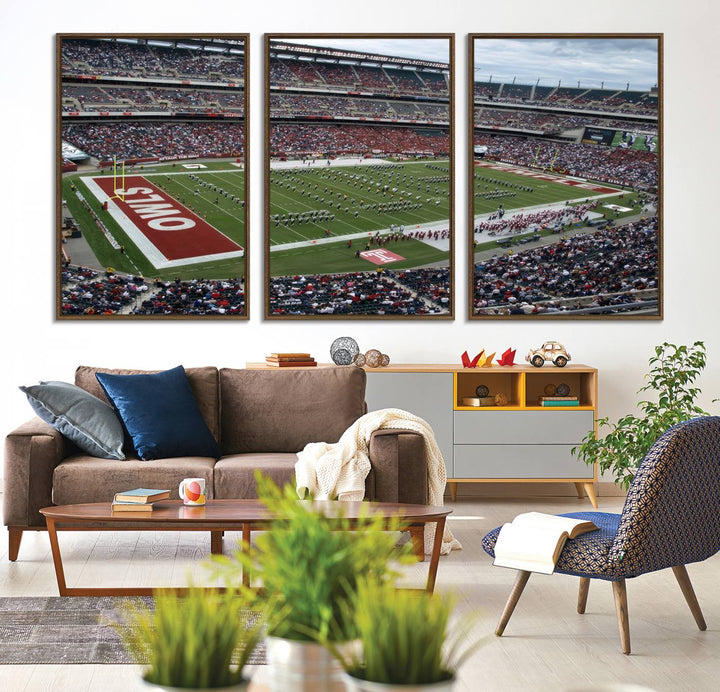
x,y
260,418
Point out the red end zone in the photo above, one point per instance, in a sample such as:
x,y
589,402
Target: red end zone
x,y
549,177
172,228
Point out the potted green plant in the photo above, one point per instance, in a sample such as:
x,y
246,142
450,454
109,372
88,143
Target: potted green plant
x,y
673,372
405,642
198,641
310,565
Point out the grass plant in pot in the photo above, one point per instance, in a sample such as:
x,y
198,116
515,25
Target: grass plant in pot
x,y
671,380
309,564
405,641
198,641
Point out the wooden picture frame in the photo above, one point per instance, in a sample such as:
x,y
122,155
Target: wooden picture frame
x,y
359,171
151,176
565,176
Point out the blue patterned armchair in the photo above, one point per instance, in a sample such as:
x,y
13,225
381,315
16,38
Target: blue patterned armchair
x,y
671,518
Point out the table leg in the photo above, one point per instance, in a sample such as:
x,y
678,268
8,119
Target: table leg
x,y
57,558
216,542
245,548
435,557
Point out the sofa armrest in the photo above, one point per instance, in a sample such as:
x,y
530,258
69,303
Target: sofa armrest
x,y
399,472
32,452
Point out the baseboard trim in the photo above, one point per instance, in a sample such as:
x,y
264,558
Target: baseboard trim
x,y
514,490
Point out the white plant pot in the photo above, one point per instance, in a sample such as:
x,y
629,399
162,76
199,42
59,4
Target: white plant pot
x,y
239,687
357,685
295,666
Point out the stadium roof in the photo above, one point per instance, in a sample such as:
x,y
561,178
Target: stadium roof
x,y
211,45
336,55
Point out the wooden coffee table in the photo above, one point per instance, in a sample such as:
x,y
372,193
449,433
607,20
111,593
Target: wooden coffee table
x,y
218,516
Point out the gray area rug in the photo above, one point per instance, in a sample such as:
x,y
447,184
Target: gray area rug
x,y
69,630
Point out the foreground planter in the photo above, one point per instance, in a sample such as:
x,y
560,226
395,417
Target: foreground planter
x,y
239,687
357,685
301,667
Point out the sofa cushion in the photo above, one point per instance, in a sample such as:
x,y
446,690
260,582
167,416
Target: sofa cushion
x,y
81,478
83,418
281,411
235,475
203,382
160,413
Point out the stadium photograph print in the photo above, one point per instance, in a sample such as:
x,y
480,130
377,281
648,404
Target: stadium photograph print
x,y
359,176
151,176
565,176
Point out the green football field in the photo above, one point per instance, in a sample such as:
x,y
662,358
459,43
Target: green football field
x,y
494,188
226,215
317,203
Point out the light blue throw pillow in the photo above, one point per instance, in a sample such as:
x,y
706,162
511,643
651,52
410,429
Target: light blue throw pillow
x,y
160,413
83,418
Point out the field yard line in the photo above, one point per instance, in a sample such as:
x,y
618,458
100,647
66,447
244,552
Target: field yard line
x,y
241,219
430,226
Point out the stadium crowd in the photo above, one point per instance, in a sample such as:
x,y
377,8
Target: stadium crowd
x,y
97,56
86,292
137,140
609,267
629,167
86,98
290,72
606,100
356,293
299,139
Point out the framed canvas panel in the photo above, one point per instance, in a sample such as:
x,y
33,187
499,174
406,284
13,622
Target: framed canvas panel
x,y
565,171
359,176
152,184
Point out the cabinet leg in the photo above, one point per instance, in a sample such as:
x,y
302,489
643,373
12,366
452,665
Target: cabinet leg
x,y
216,542
590,490
580,490
453,491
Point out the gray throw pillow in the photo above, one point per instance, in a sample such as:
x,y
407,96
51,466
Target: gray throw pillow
x,y
83,418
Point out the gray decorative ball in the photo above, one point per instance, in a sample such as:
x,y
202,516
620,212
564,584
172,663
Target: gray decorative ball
x,y
343,350
481,391
563,389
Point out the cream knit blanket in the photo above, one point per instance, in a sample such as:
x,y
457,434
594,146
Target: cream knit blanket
x,y
329,471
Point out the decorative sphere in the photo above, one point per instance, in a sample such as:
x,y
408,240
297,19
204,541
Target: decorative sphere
x,y
550,390
385,360
373,358
342,357
343,350
359,360
500,399
563,389
482,391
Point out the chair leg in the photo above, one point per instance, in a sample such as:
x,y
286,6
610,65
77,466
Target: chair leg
x,y
620,594
684,580
583,594
515,594
14,538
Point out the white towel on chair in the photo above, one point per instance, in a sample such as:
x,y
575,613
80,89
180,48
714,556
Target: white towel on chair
x,y
329,471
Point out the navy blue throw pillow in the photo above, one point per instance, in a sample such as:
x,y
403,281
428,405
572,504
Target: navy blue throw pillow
x,y
160,413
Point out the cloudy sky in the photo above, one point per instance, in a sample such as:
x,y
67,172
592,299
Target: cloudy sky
x,y
591,61
435,49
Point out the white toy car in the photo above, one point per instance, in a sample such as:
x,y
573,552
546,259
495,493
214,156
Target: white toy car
x,y
551,350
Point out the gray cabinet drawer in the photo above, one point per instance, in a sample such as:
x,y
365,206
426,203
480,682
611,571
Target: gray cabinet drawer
x,y
519,461
521,427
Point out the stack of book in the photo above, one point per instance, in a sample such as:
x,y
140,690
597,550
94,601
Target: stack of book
x,y
138,500
290,360
559,401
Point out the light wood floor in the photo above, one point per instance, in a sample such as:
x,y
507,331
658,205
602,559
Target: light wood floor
x,y
547,646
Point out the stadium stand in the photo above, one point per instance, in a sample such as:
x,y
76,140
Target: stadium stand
x,y
605,269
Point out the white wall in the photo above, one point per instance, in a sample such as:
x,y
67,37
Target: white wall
x,y
37,347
